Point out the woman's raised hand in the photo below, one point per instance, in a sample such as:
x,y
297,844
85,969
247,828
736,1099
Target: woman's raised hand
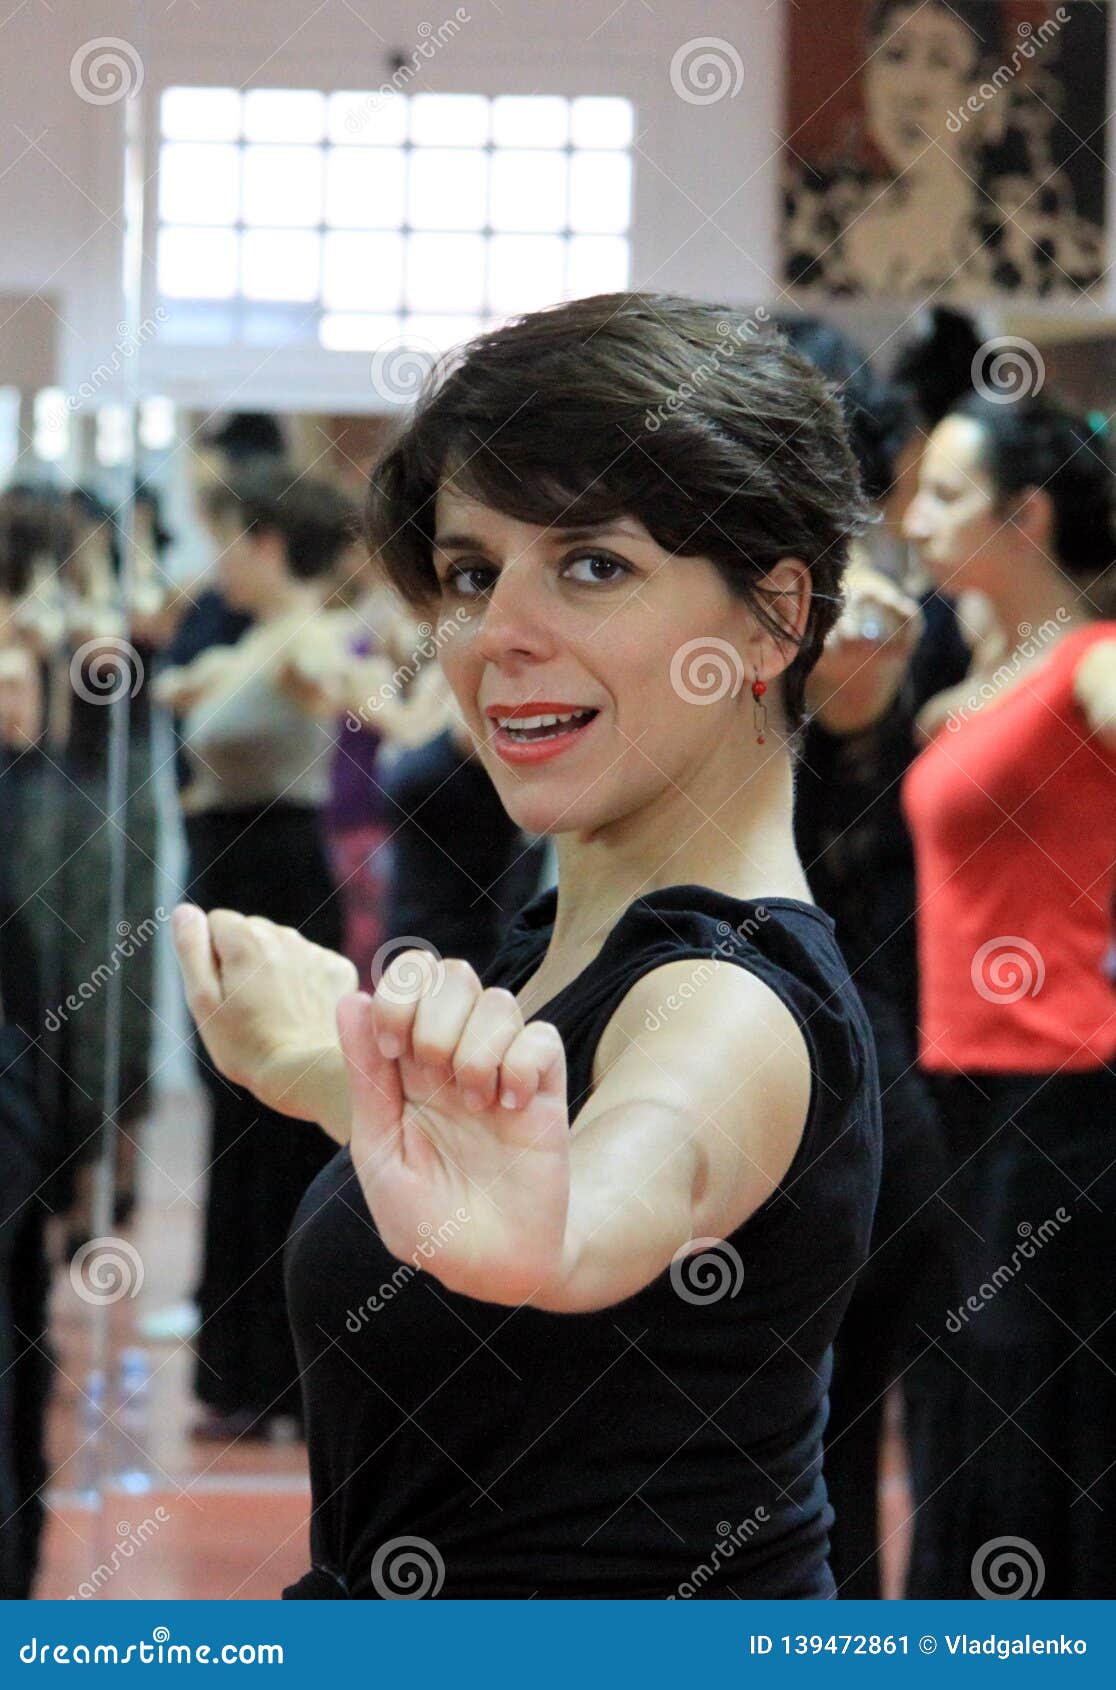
x,y
182,687
867,653
459,1109
265,1001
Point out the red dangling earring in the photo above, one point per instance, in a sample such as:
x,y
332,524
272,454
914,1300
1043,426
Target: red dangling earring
x,y
759,709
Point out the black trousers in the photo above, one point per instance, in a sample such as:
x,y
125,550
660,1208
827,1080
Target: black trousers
x,y
267,862
1028,1341
26,1359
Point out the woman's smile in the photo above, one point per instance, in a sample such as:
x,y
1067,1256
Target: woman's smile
x,y
537,731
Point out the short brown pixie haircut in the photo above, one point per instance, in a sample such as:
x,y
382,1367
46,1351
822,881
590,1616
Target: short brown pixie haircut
x,y
712,432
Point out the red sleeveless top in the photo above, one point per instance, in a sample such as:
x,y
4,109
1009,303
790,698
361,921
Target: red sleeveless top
x,y
1012,809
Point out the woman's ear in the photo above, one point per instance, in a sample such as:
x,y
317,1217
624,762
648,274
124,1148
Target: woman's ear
x,y
786,591
1033,517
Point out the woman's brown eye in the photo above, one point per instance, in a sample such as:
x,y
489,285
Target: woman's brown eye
x,y
610,568
465,581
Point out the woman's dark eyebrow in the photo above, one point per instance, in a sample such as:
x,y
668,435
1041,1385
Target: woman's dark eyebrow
x,y
444,541
561,535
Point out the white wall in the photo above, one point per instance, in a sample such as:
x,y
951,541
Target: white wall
x,y
706,203
705,211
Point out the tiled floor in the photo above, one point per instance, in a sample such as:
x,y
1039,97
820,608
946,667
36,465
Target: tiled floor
x,y
218,1521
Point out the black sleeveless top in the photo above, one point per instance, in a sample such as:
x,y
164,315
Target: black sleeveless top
x,y
669,1445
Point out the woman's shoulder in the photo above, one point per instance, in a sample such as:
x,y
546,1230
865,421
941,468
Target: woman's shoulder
x,y
789,944
1060,673
676,918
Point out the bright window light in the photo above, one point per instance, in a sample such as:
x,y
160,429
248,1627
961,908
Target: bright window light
x,y
284,114
529,191
366,188
288,215
112,437
281,264
50,425
283,186
157,425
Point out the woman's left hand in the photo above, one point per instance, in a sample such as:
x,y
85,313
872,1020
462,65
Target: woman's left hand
x,y
318,692
459,1110
866,655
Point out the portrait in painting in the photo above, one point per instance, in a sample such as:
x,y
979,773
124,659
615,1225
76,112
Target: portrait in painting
x,y
946,146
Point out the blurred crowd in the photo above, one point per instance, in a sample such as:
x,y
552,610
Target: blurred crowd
x,y
326,782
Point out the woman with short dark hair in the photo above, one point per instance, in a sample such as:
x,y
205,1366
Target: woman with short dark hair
x,y
564,1299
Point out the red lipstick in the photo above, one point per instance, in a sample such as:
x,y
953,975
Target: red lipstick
x,y
543,739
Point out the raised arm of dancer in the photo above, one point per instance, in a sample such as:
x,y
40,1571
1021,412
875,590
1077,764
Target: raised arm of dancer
x,y
265,1002
858,675
1094,687
458,1105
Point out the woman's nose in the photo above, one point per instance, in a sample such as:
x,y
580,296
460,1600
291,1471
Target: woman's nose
x,y
914,520
515,617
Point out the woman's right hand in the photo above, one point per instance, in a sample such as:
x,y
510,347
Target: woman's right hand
x,y
180,688
265,1000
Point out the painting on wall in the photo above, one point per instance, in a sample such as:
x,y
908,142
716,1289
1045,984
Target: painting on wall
x,y
947,147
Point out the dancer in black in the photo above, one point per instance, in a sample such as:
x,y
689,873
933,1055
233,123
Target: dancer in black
x,y
859,861
565,1298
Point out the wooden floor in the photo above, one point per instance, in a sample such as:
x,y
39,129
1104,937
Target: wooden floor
x,y
229,1522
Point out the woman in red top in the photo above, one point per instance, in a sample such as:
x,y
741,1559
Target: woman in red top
x,y
1012,808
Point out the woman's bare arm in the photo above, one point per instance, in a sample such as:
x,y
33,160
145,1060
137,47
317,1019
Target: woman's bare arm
x,y
265,1002
1094,687
689,1130
460,1110
454,1107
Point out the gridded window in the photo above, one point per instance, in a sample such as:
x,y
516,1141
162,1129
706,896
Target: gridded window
x,y
355,219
